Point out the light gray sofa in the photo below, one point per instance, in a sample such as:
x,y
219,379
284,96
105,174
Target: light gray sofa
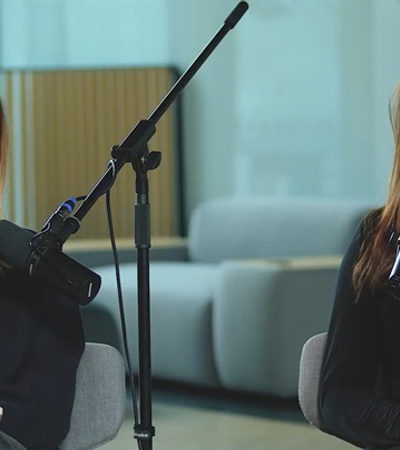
x,y
257,281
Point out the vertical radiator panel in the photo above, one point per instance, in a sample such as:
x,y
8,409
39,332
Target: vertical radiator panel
x,y
63,124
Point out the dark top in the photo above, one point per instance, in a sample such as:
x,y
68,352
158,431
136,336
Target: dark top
x,y
363,346
41,343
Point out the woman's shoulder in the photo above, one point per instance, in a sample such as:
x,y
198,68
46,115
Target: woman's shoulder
x,y
374,215
370,221
366,229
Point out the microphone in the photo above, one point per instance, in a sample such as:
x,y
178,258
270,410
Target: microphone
x,y
48,265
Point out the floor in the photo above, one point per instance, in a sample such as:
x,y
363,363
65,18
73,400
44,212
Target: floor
x,y
201,420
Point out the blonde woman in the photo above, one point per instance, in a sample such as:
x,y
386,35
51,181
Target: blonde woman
x,y
360,380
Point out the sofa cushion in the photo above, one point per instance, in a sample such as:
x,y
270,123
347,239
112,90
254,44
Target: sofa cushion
x,y
181,305
267,227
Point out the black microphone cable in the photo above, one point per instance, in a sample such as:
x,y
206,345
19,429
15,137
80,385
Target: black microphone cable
x,y
49,234
121,307
64,209
132,382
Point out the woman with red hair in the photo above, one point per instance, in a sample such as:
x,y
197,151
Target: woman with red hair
x,y
41,343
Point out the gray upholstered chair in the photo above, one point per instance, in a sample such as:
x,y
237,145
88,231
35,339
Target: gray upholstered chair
x,y
309,378
100,401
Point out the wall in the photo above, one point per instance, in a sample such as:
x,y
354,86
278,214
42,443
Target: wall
x,y
288,117
210,98
293,102
386,75
54,33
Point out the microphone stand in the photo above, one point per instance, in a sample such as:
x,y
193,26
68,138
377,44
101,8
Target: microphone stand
x,y
134,149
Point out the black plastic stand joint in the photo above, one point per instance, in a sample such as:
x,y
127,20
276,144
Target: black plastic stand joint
x,y
70,226
135,144
147,161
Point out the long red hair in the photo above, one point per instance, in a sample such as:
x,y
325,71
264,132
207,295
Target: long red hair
x,y
377,254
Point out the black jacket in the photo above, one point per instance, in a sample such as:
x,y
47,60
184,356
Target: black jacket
x,y
360,379
41,343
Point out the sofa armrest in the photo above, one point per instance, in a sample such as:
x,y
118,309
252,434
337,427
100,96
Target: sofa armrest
x,y
299,263
264,311
97,252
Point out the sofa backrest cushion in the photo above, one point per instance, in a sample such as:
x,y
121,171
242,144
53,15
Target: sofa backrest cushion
x,y
271,227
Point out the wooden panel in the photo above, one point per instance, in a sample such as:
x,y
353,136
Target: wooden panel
x,y
66,123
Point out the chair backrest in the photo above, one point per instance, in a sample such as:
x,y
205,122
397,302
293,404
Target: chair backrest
x,y
8,443
100,399
271,227
309,378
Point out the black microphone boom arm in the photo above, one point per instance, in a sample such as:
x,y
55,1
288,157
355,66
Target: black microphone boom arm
x,y
134,145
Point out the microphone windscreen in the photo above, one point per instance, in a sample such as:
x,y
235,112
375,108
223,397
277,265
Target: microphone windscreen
x,y
49,267
55,268
15,247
